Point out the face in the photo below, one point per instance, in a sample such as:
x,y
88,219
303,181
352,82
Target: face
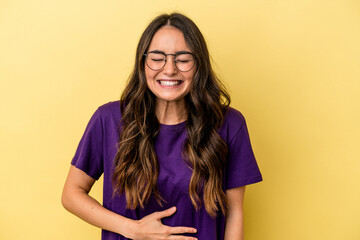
x,y
169,84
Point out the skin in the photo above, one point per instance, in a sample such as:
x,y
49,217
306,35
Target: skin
x,y
170,109
170,102
234,228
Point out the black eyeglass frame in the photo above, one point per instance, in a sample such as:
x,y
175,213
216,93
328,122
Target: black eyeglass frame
x,y
166,54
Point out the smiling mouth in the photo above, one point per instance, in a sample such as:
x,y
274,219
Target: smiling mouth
x,y
169,83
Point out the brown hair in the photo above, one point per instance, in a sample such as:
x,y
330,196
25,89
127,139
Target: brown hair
x,y
136,166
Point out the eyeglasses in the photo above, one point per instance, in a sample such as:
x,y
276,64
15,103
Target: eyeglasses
x,y
156,60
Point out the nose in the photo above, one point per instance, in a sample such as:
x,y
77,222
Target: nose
x,y
170,68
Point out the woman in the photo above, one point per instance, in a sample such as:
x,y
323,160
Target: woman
x,y
175,157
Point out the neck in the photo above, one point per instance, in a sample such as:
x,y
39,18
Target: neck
x,y
171,113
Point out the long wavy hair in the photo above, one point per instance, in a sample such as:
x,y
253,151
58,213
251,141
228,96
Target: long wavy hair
x,y
136,167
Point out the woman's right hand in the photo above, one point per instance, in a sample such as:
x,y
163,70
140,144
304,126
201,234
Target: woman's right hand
x,y
76,199
151,228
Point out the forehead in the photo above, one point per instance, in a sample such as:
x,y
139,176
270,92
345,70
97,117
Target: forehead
x,y
169,40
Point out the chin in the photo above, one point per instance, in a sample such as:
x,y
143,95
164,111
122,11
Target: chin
x,y
170,98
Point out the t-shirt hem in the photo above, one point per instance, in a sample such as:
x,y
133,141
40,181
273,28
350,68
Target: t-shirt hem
x,y
92,175
246,181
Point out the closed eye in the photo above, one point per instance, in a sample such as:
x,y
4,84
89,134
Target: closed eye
x,y
157,60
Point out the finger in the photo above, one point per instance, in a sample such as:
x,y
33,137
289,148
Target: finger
x,y
165,213
179,230
173,237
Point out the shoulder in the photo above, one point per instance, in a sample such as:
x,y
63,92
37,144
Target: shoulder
x,y
109,110
109,107
233,121
108,114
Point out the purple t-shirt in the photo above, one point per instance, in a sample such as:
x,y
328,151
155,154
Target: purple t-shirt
x,y
97,150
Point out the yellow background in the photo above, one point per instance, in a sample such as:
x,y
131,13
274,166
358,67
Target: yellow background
x,y
292,68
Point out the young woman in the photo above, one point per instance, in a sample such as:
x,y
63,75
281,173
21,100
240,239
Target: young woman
x,y
175,157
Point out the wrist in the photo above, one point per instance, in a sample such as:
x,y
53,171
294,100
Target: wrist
x,y
130,229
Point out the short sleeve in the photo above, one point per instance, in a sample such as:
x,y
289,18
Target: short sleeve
x,y
242,168
89,154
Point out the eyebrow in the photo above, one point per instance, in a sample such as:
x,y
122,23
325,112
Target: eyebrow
x,y
176,53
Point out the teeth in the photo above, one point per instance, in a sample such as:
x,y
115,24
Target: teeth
x,y
170,83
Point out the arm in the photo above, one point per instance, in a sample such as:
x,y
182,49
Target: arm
x,y
76,200
234,228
